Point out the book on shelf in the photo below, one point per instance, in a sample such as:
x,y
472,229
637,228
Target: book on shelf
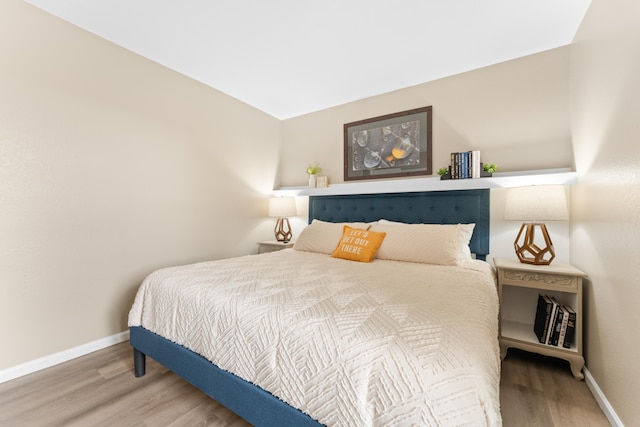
x,y
465,164
552,320
543,315
476,166
557,326
571,329
563,326
555,323
454,163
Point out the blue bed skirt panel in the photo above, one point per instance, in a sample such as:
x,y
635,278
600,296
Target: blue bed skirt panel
x,y
432,207
252,403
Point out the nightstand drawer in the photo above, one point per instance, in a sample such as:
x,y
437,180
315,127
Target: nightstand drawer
x,y
540,280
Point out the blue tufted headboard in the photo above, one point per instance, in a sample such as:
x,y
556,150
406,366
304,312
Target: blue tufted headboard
x,y
434,207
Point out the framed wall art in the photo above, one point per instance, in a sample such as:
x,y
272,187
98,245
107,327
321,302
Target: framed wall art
x,y
389,146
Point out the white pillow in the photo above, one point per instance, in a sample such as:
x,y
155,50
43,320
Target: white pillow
x,y
323,237
466,231
443,244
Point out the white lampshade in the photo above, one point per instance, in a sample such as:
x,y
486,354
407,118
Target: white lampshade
x,y
282,207
536,203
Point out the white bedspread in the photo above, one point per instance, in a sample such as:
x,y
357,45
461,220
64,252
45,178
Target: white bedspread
x,y
349,343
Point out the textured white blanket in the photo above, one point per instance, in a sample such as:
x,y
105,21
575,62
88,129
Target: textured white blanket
x,y
349,343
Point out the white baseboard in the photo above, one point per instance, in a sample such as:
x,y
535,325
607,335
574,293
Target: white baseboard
x,y
608,410
60,357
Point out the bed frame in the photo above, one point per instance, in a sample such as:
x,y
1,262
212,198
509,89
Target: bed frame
x,y
258,406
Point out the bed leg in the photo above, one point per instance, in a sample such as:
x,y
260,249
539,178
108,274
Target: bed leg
x,y
139,363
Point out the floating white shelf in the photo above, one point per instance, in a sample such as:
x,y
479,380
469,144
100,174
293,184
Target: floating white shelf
x,y
498,180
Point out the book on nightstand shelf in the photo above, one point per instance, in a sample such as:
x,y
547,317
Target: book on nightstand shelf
x,y
557,326
554,323
563,326
543,315
571,329
552,320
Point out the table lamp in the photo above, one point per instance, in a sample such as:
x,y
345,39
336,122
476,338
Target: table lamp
x,y
281,208
533,204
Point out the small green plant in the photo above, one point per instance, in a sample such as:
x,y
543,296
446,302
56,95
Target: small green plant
x,y
313,169
443,171
490,167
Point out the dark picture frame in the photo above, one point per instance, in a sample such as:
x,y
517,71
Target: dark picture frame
x,y
389,146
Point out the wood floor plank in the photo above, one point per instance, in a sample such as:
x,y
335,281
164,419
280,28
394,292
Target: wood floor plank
x,y
100,389
537,390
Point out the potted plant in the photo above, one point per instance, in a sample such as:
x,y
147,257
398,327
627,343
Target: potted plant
x,y
443,171
312,170
489,168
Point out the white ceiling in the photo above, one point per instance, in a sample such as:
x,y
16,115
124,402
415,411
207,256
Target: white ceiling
x,y
291,57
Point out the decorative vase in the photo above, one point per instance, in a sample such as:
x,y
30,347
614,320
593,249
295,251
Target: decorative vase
x,y
312,180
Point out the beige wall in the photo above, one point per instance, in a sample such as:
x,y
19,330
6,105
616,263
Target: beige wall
x,y
605,231
516,113
111,166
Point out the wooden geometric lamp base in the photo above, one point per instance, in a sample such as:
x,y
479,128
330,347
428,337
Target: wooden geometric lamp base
x,y
528,251
282,230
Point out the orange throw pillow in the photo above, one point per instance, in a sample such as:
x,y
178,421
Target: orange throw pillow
x,y
358,244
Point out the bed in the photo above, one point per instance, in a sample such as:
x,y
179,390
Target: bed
x,y
300,337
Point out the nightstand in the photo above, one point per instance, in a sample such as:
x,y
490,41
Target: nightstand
x,y
272,246
518,288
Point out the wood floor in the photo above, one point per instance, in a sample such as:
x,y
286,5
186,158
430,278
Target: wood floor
x,y
100,390
541,391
